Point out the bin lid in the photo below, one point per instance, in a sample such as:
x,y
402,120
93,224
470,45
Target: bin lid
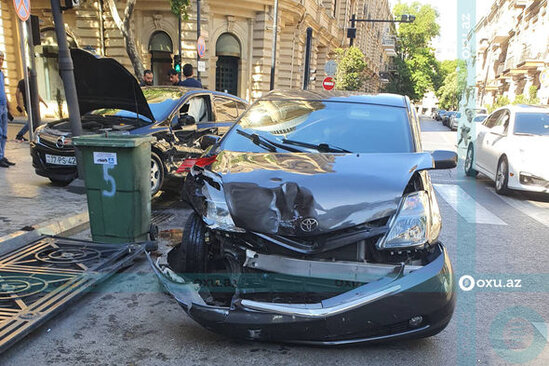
x,y
112,140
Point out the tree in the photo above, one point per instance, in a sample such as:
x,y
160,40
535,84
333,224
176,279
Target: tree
x,y
351,65
417,67
124,25
454,85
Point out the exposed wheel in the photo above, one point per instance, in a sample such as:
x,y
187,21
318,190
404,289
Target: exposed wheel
x,y
190,256
60,182
502,176
469,159
157,173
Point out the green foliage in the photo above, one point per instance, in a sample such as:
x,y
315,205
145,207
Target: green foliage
x,y
501,101
453,87
180,7
533,95
520,99
417,68
351,65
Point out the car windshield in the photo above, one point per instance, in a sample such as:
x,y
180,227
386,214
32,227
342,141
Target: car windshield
x,y
161,102
532,123
322,126
480,118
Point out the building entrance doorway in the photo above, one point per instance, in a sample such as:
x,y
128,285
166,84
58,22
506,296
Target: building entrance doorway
x,y
227,69
161,49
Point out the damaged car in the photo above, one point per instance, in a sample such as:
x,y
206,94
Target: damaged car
x,y
110,100
315,221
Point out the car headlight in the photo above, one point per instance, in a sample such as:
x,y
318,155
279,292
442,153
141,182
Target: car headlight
x,y
417,222
217,211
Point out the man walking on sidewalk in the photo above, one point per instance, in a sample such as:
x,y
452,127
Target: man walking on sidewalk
x,y
21,97
4,163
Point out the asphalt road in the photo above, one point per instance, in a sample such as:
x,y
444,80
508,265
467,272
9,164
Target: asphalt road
x,y
498,241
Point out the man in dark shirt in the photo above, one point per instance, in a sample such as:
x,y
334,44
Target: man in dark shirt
x,y
147,78
174,78
189,80
21,97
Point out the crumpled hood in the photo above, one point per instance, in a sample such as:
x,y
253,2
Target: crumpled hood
x,y
278,193
105,83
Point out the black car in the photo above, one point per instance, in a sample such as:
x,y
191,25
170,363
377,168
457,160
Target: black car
x,y
315,221
447,116
110,99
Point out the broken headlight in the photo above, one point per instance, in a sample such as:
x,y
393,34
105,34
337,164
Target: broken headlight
x,y
217,211
417,222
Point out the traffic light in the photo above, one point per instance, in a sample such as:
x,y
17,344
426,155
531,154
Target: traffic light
x,y
177,63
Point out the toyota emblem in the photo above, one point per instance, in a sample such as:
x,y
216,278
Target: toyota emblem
x,y
309,224
60,143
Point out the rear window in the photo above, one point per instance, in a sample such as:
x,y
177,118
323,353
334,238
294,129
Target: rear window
x,y
532,123
359,128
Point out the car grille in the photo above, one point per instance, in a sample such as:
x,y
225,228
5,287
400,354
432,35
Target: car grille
x,y
52,141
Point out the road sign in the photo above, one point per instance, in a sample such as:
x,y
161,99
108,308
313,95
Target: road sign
x,y
328,83
22,8
201,66
201,47
330,68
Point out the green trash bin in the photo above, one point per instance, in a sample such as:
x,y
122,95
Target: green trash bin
x,y
118,185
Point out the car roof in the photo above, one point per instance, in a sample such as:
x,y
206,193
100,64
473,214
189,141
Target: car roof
x,y
525,108
393,100
189,91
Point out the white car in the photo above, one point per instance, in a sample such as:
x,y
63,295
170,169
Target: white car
x,y
512,148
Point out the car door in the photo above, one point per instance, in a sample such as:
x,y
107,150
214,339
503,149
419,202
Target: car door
x,y
494,142
481,143
226,113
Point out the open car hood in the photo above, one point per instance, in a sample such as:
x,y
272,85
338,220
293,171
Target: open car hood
x,y
273,193
105,83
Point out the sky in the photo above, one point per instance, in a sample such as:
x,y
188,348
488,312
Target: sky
x,y
446,44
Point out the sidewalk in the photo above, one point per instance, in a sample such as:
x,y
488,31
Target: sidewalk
x,y
27,199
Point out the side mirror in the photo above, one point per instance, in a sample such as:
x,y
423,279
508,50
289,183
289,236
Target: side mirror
x,y
185,120
444,159
208,140
498,130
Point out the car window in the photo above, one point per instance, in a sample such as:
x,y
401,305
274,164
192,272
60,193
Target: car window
x,y
492,120
361,128
241,107
197,107
532,123
503,120
225,109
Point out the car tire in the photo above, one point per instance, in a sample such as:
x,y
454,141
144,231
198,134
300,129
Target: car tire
x,y
190,256
469,159
157,173
502,176
60,182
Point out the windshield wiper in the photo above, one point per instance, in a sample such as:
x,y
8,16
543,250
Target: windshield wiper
x,y
319,147
265,143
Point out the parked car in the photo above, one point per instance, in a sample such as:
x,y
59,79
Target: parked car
x,y
438,114
446,118
454,121
315,221
511,147
479,118
110,99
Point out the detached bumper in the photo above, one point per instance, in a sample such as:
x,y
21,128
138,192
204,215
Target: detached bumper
x,y
378,311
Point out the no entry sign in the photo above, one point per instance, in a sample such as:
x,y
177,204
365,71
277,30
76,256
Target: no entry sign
x,y
328,83
22,8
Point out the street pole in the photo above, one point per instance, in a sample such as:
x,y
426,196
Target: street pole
x,y
275,33
197,36
66,69
307,71
179,32
353,26
35,98
27,95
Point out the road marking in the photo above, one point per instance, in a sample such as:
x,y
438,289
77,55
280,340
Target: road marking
x,y
542,328
466,206
528,208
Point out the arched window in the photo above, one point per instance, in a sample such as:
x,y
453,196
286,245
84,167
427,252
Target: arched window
x,y
228,52
160,42
227,45
161,49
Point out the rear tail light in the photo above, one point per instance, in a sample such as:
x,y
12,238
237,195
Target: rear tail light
x,y
201,162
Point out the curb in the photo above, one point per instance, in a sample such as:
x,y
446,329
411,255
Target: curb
x,y
52,227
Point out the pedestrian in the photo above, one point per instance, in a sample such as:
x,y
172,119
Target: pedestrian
x,y
174,78
147,78
4,162
21,97
189,80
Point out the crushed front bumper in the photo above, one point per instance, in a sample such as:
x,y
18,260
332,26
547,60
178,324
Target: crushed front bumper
x,y
377,311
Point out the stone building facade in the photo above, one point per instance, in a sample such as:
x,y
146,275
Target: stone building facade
x,y
512,51
238,36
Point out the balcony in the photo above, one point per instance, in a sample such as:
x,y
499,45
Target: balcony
x,y
389,45
530,59
520,3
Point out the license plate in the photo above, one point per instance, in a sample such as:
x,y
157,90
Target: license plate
x,y
60,160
